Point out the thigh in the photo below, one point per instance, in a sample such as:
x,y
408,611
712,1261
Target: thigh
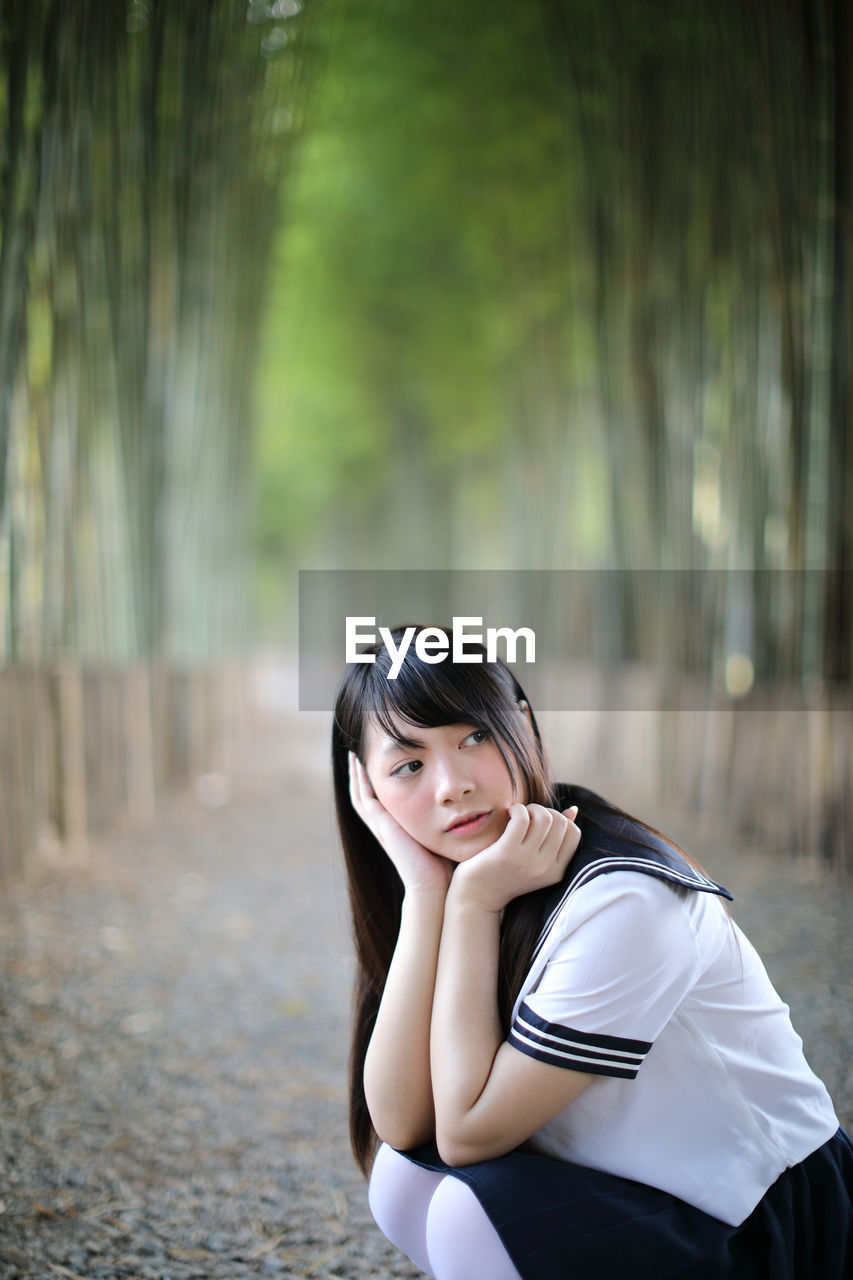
x,y
461,1241
436,1220
399,1195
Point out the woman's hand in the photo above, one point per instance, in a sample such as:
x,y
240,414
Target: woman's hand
x,y
532,853
419,869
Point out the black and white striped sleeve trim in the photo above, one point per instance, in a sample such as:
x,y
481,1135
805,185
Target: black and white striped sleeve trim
x,y
563,1047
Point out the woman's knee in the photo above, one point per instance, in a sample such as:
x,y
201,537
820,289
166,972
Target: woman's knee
x,y
399,1195
461,1242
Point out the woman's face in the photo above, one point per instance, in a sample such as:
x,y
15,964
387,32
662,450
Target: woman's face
x,y
451,791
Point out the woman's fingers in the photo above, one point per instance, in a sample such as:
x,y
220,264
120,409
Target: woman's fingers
x,y
571,836
520,821
354,783
361,792
554,839
366,784
551,837
546,828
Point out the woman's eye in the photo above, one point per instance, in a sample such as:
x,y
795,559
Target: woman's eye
x,y
406,770
478,736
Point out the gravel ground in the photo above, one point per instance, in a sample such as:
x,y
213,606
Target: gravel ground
x,y
174,1028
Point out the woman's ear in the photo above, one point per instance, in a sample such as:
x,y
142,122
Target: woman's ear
x,y
529,728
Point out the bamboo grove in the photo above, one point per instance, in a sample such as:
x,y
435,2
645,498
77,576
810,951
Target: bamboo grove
x,y
145,150
559,284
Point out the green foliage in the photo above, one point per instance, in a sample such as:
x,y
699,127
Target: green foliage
x,y
417,285
431,186
140,192
516,297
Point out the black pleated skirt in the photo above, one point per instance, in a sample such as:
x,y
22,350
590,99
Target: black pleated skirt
x,y
562,1220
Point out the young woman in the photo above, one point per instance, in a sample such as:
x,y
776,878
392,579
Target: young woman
x,y
570,1059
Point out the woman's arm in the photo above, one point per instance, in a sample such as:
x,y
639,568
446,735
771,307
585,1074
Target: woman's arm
x,y
397,1079
489,1097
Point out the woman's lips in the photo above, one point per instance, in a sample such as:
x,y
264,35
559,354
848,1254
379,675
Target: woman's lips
x,y
470,823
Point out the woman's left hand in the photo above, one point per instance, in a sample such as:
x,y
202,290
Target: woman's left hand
x,y
532,853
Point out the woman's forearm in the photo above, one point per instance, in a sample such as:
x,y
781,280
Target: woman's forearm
x,y
466,1030
397,1078
488,1096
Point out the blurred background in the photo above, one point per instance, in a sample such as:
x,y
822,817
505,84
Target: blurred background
x,y
555,285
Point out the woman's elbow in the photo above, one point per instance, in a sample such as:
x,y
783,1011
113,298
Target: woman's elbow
x,y
402,1136
456,1154
457,1149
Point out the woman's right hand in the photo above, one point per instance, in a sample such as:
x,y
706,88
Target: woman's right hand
x,y
420,870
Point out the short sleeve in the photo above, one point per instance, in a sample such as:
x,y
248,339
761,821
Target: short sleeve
x,y
624,957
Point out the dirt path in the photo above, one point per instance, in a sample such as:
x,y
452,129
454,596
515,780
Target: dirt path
x,y
174,1027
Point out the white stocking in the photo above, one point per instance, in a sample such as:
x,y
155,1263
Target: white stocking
x,y
461,1242
399,1193
436,1220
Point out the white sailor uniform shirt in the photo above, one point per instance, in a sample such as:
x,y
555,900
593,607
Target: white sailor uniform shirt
x,y
642,978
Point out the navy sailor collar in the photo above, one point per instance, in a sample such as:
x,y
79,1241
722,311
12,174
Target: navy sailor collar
x,y
600,852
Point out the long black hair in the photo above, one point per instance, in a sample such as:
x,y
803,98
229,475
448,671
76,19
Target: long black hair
x,y
485,695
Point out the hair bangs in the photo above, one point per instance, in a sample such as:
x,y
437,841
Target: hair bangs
x,y
430,695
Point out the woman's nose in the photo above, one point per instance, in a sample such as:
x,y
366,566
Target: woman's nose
x,y
452,781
